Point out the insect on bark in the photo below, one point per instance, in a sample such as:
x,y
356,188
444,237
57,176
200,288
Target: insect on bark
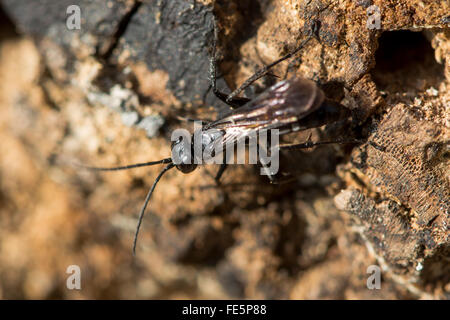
x,y
291,105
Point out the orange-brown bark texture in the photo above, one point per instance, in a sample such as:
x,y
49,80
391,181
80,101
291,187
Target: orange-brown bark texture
x,y
111,93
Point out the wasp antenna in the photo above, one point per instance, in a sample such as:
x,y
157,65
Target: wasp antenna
x,y
147,199
131,166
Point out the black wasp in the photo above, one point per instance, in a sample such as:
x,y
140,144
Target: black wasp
x,y
290,105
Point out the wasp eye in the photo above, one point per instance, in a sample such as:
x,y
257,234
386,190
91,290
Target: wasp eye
x,y
187,168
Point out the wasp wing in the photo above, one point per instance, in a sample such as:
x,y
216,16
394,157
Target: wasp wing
x,y
279,107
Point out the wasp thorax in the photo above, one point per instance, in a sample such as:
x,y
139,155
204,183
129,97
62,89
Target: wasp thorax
x,y
211,140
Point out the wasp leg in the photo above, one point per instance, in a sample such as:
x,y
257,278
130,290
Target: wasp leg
x,y
283,180
377,146
310,144
268,173
233,99
185,119
274,179
312,33
234,102
219,174
263,71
